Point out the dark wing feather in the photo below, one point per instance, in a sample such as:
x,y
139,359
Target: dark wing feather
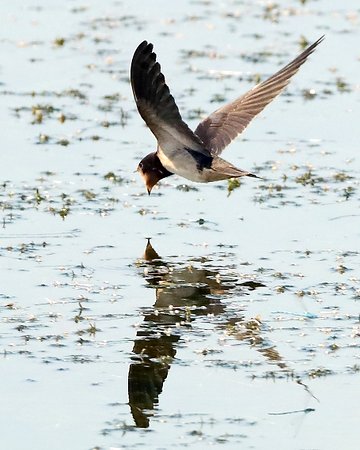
x,y
156,105
223,125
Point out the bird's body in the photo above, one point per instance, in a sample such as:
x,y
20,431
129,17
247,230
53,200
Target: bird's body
x,y
195,155
180,162
195,166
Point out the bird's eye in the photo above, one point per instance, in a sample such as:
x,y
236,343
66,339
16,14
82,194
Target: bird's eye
x,y
141,165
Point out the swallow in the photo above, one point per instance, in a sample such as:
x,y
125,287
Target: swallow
x,y
195,154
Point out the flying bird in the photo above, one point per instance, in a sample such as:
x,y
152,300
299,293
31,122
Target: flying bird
x,y
195,154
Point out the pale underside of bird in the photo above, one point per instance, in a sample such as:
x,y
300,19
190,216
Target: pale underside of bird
x,y
195,154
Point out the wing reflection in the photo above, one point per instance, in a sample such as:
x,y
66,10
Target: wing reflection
x,y
183,293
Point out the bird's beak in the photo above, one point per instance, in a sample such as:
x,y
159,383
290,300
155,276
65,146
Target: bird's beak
x,y
149,181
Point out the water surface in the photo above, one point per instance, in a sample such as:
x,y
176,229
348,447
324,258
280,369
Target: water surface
x,y
237,324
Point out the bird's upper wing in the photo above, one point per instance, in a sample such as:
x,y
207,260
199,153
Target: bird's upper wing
x,y
223,125
157,106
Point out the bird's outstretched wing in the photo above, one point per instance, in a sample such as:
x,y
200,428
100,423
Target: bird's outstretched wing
x,y
157,106
223,125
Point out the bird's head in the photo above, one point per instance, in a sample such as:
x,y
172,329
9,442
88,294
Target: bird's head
x,y
151,170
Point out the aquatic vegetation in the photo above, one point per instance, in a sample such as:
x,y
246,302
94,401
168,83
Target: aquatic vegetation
x,y
342,86
308,178
116,179
59,42
233,183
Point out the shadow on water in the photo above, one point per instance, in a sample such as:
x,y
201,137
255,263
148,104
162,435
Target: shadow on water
x,y
183,293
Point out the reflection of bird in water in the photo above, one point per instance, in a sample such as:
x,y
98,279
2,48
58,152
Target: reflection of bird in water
x,y
176,290
150,253
183,293
195,155
181,286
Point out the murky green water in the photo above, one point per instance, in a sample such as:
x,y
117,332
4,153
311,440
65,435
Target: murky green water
x,y
237,325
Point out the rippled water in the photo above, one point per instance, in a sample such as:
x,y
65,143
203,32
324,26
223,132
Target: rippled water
x,y
237,324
